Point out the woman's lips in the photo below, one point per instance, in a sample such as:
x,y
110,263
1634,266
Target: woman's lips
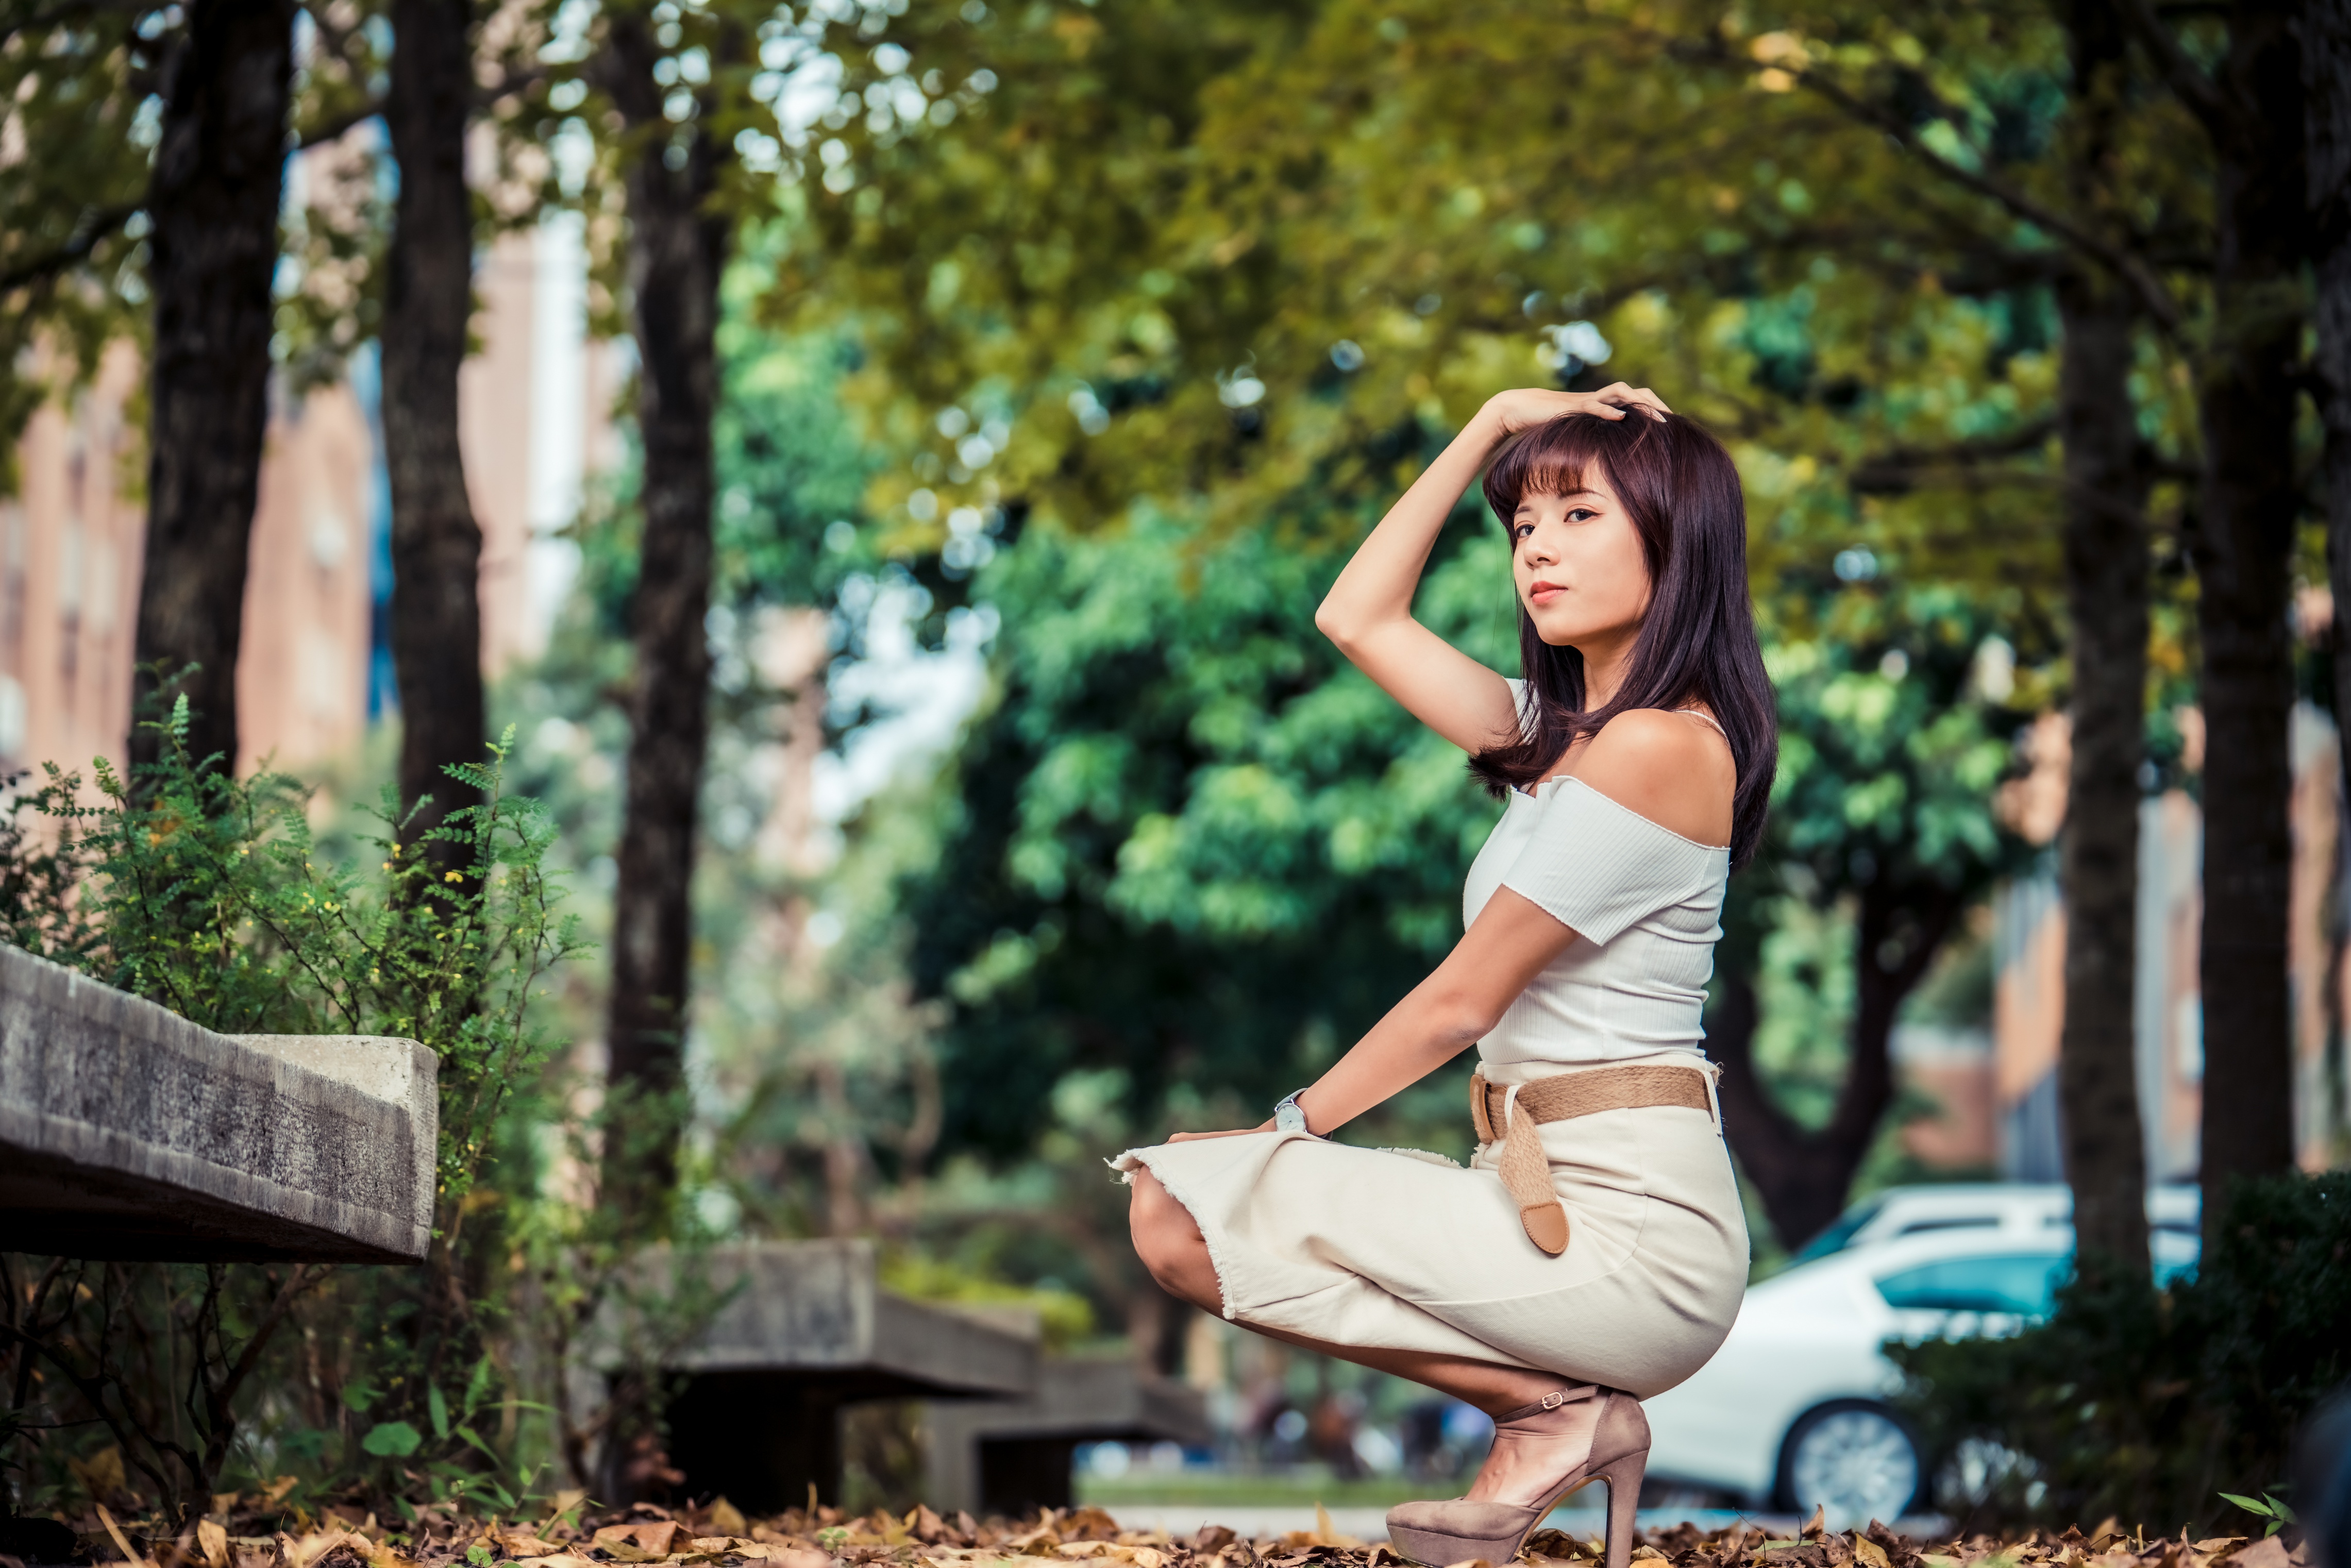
x,y
1544,592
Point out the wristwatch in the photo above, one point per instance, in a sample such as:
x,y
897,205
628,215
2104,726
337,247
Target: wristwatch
x,y
1288,1117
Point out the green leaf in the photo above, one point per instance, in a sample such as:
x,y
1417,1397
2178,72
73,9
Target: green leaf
x,y
392,1440
439,1408
2249,1504
359,1397
478,1555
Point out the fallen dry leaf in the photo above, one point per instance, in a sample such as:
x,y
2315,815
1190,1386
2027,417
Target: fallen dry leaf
x,y
652,1537
212,1540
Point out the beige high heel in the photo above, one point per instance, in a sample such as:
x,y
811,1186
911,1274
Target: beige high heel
x,y
1438,1534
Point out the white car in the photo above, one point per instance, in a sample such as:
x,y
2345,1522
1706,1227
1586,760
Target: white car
x,y
1792,1411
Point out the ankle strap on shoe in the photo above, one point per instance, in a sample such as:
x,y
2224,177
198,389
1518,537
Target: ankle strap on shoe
x,y
1550,1401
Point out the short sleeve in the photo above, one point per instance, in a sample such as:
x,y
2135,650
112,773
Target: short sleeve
x,y
1600,868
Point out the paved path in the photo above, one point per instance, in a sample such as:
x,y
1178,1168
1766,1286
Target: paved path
x,y
1370,1524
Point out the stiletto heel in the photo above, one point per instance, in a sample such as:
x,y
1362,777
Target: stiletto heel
x,y
1438,1534
1623,1478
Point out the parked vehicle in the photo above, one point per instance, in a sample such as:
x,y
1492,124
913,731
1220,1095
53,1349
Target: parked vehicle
x,y
1792,1411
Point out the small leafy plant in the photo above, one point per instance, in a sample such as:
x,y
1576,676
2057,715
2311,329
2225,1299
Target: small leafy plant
x,y
2267,1506
214,897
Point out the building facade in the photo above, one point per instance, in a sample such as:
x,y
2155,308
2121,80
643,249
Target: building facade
x,y
314,664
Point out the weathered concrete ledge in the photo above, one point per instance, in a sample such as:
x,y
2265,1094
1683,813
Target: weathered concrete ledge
x,y
128,1132
1012,1456
805,1328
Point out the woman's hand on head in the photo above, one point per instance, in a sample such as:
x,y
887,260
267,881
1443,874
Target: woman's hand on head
x,y
1526,407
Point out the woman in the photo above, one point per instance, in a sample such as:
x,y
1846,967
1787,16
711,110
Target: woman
x,y
1594,1252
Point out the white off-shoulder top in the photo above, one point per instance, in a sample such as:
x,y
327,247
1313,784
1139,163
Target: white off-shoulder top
x,y
1646,906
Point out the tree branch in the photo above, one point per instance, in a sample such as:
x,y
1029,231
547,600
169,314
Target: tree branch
x,y
64,11
2187,81
335,125
1900,468
95,225
2156,299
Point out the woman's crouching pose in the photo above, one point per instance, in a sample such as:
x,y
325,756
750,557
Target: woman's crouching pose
x,y
1593,1254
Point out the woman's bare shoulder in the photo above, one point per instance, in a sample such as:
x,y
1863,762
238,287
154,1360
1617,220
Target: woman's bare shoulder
x,y
1674,768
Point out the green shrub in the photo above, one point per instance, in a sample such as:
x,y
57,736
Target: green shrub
x,y
2147,1405
211,895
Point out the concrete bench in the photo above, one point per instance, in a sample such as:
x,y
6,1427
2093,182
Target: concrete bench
x,y
126,1132
1011,1456
806,1329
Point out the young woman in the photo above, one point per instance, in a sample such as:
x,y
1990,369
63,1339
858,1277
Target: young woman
x,y
1593,1254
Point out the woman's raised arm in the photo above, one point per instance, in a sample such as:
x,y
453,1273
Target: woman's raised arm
x,y
1368,612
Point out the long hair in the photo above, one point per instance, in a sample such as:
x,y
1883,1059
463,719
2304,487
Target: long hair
x,y
1697,642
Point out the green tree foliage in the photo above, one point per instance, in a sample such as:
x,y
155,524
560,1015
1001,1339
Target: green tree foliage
x,y
1190,844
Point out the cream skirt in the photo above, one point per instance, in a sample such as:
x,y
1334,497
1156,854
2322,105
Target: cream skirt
x,y
1401,1251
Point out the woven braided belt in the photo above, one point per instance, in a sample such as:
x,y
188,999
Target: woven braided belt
x,y
1499,1111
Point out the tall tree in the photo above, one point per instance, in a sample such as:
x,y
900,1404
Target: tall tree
x,y
2250,107
213,204
679,237
2107,564
2326,77
437,545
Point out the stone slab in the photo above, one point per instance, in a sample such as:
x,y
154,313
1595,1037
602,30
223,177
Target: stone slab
x,y
126,1132
805,1329
818,1307
1008,1456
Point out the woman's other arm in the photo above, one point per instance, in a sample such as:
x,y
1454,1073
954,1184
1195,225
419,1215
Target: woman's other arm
x,y
1368,612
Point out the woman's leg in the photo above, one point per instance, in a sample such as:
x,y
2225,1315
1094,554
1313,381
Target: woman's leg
x,y
1519,1466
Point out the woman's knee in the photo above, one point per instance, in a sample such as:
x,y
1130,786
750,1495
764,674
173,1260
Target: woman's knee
x,y
1169,1243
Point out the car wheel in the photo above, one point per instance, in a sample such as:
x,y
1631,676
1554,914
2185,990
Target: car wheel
x,y
1854,1459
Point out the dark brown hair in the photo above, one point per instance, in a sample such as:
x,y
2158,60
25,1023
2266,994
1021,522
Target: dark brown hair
x,y
1697,642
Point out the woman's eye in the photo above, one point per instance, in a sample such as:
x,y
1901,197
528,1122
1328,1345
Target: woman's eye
x,y
1581,514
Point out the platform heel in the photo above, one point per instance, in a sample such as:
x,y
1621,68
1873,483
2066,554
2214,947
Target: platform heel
x,y
1439,1535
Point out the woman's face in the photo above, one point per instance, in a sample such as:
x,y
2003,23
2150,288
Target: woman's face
x,y
1578,563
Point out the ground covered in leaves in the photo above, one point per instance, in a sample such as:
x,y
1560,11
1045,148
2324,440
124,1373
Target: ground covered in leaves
x,y
574,1535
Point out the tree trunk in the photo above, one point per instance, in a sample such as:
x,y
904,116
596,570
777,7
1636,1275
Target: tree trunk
x,y
678,247
213,202
2105,592
1802,1175
436,547
2326,77
2106,595
2243,541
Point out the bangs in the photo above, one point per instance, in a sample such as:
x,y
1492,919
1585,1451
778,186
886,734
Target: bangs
x,y
1552,459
